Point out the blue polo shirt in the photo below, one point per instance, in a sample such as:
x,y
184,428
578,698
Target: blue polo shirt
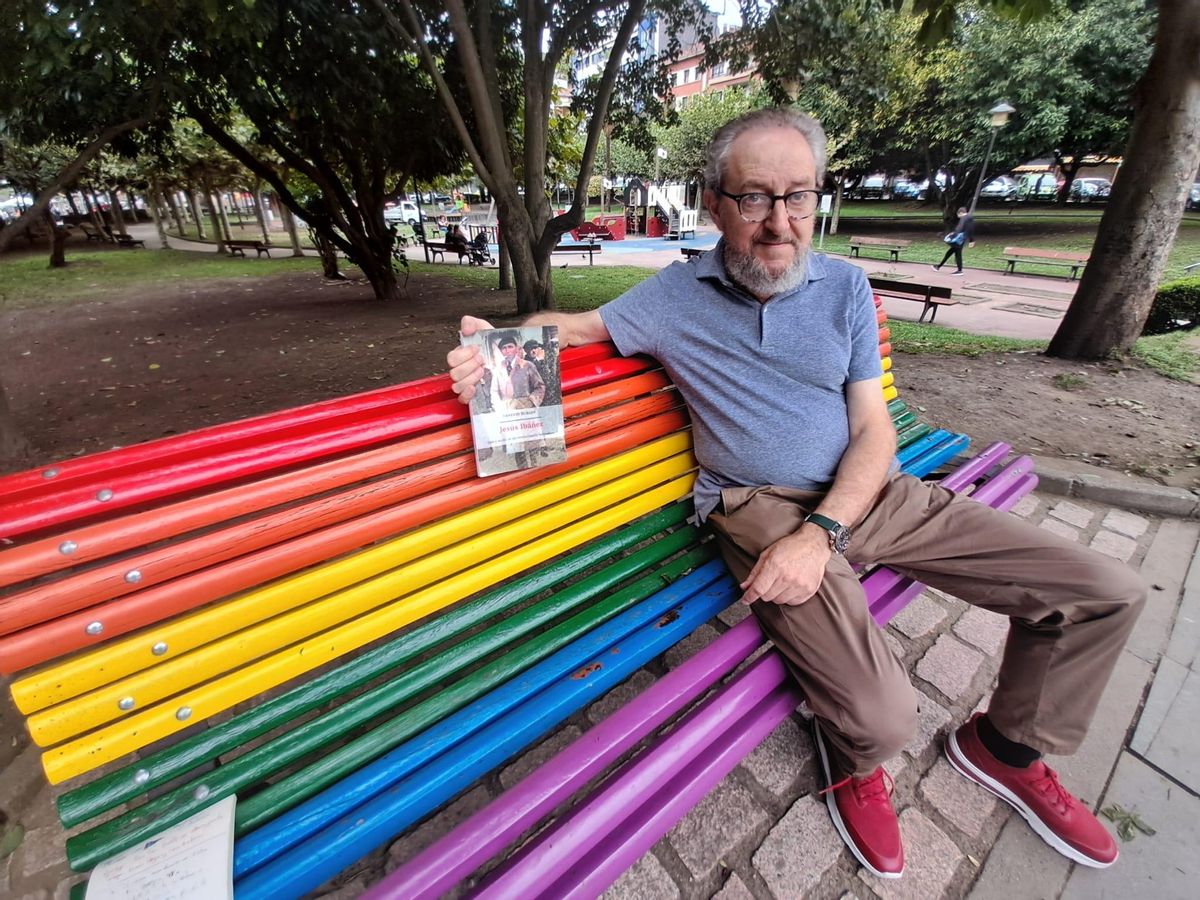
x,y
765,382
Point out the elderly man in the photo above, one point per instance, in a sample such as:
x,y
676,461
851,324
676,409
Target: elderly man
x,y
775,350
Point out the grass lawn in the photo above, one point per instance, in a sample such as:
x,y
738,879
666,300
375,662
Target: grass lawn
x,y
26,280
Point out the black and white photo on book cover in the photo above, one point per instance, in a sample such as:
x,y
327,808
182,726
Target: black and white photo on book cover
x,y
517,413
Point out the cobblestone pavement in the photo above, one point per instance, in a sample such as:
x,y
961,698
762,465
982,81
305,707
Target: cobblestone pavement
x,y
763,832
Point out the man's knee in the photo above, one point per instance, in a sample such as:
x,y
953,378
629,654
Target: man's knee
x,y
881,725
1117,590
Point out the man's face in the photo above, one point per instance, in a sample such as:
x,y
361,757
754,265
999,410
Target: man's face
x,y
774,160
510,351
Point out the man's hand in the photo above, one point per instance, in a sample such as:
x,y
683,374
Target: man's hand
x,y
790,570
466,363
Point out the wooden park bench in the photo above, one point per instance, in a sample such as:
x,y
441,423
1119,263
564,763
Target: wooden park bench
x,y
124,240
930,295
239,248
1074,261
438,249
585,248
324,611
891,245
692,252
92,233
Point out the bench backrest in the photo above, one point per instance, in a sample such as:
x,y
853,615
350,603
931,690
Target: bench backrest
x,y
906,288
1046,254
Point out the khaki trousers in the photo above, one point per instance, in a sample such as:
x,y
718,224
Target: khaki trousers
x,y
1070,609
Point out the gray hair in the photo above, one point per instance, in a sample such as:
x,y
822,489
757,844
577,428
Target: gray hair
x,y
771,117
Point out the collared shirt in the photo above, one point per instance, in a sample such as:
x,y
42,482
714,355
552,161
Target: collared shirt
x,y
765,382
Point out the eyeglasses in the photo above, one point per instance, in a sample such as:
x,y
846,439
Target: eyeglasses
x,y
756,207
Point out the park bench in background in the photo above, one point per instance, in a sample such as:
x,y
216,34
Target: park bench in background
x,y
930,295
692,252
239,248
437,250
1074,261
92,233
585,248
124,240
326,612
891,245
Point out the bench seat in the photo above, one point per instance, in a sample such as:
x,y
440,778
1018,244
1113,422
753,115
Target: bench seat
x,y
326,612
1073,261
892,246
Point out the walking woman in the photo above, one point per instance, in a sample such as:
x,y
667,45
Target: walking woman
x,y
963,233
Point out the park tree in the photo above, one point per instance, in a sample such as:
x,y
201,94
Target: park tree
x,y
80,75
476,37
687,140
332,100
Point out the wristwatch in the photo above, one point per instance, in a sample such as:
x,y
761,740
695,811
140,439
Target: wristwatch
x,y
839,534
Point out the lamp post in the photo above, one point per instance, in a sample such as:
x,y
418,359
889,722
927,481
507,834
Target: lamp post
x,y
999,113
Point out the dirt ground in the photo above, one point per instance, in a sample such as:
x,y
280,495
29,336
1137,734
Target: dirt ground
x,y
87,376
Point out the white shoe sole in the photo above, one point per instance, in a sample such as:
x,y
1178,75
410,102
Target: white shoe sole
x,y
831,803
964,767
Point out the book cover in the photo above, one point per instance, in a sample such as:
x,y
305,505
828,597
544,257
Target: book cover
x,y
517,413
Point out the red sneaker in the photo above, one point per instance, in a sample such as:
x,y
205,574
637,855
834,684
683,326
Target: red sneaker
x,y
1054,813
861,809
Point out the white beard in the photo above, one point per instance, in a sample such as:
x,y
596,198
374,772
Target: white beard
x,y
749,272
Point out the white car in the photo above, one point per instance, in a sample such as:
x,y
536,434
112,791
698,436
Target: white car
x,y
404,211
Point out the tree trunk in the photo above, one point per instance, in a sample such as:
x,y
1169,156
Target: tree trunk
x,y
214,218
289,223
262,216
58,243
93,210
118,215
505,265
224,216
154,198
535,288
1144,211
837,207
13,446
197,209
74,205
173,206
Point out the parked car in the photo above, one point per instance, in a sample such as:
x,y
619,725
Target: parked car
x,y
870,188
1037,186
1086,190
404,211
1193,200
1001,188
903,189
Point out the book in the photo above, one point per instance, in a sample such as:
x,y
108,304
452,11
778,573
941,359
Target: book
x,y
189,861
517,412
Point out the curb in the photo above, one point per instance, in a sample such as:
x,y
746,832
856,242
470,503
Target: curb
x,y
1057,476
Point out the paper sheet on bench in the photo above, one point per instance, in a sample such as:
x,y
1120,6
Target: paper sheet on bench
x,y
189,861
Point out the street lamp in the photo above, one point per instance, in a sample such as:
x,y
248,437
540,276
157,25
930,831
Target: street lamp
x,y
999,113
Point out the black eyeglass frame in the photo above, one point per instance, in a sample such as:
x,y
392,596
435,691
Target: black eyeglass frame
x,y
775,198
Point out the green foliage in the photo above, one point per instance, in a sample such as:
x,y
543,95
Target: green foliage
x,y
686,141
1176,307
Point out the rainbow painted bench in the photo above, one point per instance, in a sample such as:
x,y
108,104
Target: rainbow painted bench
x,y
325,612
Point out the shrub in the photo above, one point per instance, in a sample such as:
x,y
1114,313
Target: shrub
x,y
1176,306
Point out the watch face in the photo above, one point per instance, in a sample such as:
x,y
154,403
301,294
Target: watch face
x,y
841,539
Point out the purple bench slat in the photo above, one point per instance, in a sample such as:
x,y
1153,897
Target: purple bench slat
x,y
496,826
564,846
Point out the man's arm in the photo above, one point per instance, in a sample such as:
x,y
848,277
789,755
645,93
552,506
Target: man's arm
x,y
466,363
790,570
